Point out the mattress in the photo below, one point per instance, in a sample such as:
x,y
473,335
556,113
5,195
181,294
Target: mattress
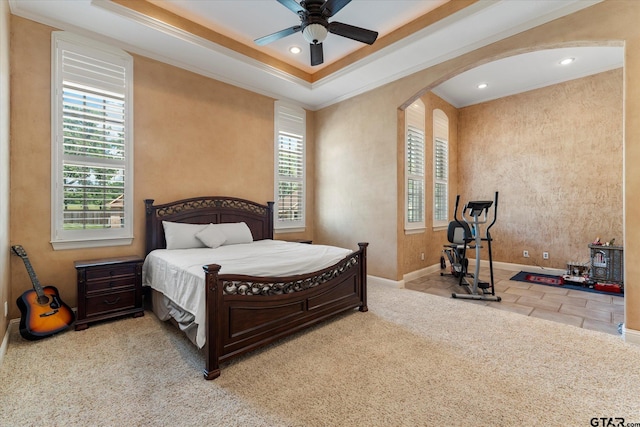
x,y
178,273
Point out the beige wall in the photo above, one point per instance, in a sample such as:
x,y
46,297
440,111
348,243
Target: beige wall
x,y
355,199
5,295
365,121
555,155
194,136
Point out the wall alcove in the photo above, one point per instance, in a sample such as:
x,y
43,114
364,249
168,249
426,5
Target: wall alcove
x,y
537,133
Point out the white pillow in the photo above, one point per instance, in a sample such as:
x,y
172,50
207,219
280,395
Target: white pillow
x,y
182,236
235,232
211,236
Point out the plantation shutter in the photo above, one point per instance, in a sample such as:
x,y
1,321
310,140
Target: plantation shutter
x,y
290,179
92,105
441,168
415,156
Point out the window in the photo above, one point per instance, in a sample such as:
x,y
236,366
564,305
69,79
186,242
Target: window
x,y
290,130
92,143
414,182
440,169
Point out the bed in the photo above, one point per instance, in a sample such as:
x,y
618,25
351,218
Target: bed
x,y
245,312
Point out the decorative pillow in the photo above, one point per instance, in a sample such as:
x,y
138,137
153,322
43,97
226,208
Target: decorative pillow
x,y
236,232
211,236
182,236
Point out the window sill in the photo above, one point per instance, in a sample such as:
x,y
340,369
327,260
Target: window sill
x,y
288,230
81,244
415,230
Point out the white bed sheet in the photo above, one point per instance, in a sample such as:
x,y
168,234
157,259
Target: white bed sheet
x,y
178,273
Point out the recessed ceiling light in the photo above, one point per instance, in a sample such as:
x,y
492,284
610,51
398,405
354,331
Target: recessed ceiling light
x,y
295,50
483,86
567,61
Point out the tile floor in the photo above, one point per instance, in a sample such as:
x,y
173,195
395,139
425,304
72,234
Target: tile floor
x,y
587,310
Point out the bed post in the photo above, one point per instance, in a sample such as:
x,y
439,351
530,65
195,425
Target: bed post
x,y
150,236
363,276
269,222
213,302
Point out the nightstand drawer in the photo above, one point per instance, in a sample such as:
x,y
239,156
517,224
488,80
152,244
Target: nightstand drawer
x,y
112,271
106,303
115,284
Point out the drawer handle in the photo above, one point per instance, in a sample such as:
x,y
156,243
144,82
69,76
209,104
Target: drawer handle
x,y
112,302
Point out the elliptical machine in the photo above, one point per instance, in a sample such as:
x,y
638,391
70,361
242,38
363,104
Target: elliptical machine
x,y
474,215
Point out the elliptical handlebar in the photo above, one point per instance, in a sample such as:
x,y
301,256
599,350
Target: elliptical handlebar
x,y
476,208
455,211
495,212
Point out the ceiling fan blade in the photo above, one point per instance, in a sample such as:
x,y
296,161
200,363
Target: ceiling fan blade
x,y
277,36
317,57
292,5
352,32
333,6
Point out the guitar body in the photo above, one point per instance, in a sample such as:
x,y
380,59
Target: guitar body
x,y
42,311
44,315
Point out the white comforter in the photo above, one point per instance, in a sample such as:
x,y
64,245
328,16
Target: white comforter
x,y
178,273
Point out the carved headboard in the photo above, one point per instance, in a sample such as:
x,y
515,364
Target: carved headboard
x,y
205,210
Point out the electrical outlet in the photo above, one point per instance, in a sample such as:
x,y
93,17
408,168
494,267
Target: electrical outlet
x,y
545,255
422,256
525,254
6,309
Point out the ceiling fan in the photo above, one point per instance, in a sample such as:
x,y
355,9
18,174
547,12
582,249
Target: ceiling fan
x,y
314,24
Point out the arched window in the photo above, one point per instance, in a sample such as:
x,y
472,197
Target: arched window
x,y
414,167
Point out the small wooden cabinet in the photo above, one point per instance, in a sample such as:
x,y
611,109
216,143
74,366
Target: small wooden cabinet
x,y
607,264
108,288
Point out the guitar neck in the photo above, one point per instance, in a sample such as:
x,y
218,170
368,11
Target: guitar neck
x,y
32,274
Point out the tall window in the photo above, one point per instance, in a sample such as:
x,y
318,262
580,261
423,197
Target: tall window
x,y
440,168
414,164
290,130
92,143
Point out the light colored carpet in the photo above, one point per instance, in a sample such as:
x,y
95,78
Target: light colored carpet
x,y
414,359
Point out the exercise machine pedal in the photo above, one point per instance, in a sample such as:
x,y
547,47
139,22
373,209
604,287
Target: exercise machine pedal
x,y
483,285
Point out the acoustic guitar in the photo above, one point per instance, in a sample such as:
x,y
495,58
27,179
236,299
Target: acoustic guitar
x,y
42,311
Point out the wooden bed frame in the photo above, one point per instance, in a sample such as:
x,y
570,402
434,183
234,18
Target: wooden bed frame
x,y
244,312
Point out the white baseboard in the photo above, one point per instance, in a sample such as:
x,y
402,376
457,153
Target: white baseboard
x,y
631,336
5,339
419,273
386,282
521,267
501,265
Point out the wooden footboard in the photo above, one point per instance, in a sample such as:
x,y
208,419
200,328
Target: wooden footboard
x,y
246,313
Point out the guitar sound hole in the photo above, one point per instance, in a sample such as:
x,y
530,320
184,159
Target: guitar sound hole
x,y
43,299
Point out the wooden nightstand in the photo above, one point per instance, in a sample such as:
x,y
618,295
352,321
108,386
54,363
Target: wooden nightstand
x,y
107,288
307,241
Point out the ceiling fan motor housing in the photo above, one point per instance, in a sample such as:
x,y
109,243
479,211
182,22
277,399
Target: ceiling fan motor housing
x,y
314,22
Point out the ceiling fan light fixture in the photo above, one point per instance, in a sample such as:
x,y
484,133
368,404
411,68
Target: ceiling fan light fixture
x,y
314,33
